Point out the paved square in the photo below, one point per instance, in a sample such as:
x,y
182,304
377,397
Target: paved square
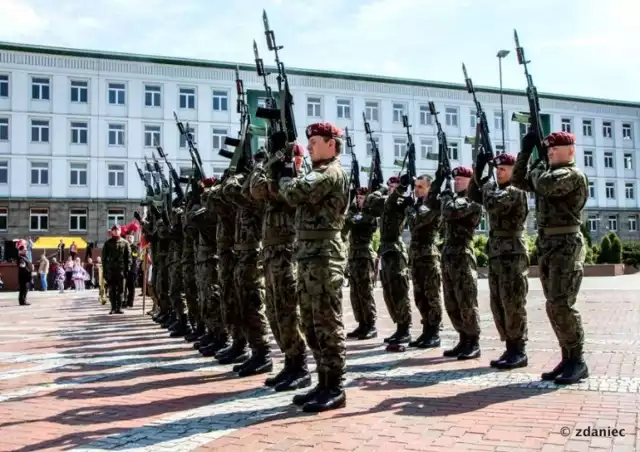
x,y
74,378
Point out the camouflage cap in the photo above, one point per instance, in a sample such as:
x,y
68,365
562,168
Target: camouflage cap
x,y
462,171
504,159
324,129
559,139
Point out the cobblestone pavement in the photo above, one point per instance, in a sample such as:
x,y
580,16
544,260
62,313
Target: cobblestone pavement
x,y
74,378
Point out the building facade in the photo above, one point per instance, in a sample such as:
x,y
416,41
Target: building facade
x,y
74,123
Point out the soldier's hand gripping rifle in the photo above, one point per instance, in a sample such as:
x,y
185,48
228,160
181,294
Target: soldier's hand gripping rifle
x,y
177,188
376,179
444,164
535,120
354,177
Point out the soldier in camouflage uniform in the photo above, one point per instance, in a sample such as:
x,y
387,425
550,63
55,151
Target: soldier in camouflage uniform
x,y
360,227
507,208
189,248
321,198
394,274
174,261
116,261
461,218
561,191
248,274
280,276
162,280
424,259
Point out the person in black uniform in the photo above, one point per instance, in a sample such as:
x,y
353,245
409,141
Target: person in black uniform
x,y
132,274
25,270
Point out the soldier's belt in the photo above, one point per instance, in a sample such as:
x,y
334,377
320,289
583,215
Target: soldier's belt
x,y
246,246
560,230
224,243
282,240
318,235
498,233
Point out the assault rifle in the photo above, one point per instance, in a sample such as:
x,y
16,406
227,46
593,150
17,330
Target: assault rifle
x,y
241,158
177,188
354,178
148,202
444,164
482,143
269,112
535,120
409,160
376,179
193,150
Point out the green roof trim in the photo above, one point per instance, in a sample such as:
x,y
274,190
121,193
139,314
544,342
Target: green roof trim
x,y
80,53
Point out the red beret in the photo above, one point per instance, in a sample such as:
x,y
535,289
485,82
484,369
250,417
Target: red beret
x,y
115,227
504,159
560,139
393,180
208,182
298,150
324,129
462,171
363,190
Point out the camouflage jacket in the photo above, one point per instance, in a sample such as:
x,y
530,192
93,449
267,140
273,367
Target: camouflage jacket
x,y
225,213
176,238
320,199
190,236
249,213
390,207
116,258
424,225
461,217
507,209
360,227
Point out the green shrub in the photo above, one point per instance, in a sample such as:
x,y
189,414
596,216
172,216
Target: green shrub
x,y
376,240
590,257
482,259
532,249
615,254
586,234
605,250
631,252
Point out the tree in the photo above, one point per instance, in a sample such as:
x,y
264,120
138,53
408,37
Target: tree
x,y
615,254
605,250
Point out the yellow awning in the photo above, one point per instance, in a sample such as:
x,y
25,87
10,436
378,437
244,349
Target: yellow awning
x,y
51,243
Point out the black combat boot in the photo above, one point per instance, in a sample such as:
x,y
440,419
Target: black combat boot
x,y
331,398
113,308
392,338
402,336
259,363
119,307
237,353
470,349
302,399
516,356
214,346
558,370
168,321
280,376
575,368
431,338
368,332
181,329
203,341
508,351
298,376
355,333
455,351
195,334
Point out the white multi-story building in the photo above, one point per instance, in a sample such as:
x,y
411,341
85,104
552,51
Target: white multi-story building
x,y
74,123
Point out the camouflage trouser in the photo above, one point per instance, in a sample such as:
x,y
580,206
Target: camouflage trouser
x,y
426,276
281,300
320,299
191,289
361,278
561,263
210,296
460,287
230,302
248,277
162,285
508,288
115,289
175,289
394,274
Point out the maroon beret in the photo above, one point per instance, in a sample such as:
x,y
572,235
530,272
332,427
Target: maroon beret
x,y
504,159
115,227
363,190
393,180
208,182
298,150
559,139
462,171
324,129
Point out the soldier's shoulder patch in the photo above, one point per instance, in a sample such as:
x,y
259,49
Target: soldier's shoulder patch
x,y
312,176
423,209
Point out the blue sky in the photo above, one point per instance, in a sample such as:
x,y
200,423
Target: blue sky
x,y
577,47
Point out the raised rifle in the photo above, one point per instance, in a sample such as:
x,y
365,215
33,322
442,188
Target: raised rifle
x,y
444,164
376,179
148,201
271,105
410,156
177,188
193,150
535,121
354,177
164,183
242,157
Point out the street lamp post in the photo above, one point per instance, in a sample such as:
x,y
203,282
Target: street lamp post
x,y
501,54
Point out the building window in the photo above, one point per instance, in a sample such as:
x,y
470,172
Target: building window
x,y
608,159
372,110
399,147
610,190
191,131
184,171
607,129
220,101
40,88
473,119
592,223
218,171
188,98
482,227
632,223
370,146
344,109
398,112
39,131
117,93
78,174
4,129
39,173
4,172
261,102
612,222
218,138
115,216
4,218
39,219
425,116
592,190
4,85
451,116
79,132
498,120
566,125
626,131
152,95
314,107
79,91
116,175
453,150
628,161
151,135
116,134
629,190
77,220
426,150
588,159
587,128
